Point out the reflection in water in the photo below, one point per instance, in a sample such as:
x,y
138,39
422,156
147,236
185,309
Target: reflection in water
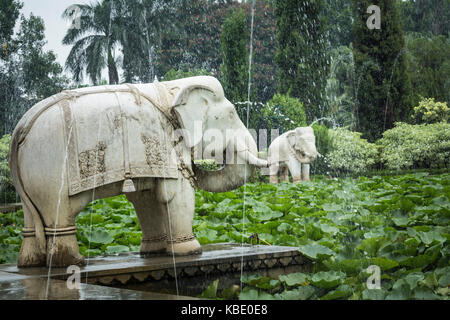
x,y
36,289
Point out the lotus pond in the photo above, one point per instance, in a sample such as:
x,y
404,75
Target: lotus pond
x,y
399,223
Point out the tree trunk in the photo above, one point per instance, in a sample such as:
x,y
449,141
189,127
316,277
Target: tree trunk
x,y
112,69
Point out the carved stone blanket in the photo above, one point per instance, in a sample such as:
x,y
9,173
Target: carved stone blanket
x,y
115,135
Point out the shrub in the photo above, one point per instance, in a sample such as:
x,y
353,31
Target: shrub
x,y
7,191
416,146
350,153
284,113
428,111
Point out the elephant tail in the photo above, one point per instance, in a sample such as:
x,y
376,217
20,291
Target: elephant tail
x,y
27,203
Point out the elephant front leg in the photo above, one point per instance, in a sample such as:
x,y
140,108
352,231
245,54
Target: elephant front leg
x,y
151,215
177,202
295,168
306,167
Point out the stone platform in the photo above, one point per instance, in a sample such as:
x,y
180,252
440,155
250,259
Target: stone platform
x,y
147,275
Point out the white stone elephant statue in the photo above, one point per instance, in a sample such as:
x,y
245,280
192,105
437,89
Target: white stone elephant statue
x,y
292,152
138,140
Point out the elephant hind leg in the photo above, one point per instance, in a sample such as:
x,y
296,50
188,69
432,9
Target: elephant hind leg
x,y
62,247
273,172
60,231
61,244
152,221
30,255
284,174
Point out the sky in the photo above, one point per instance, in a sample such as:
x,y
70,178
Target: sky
x,y
55,26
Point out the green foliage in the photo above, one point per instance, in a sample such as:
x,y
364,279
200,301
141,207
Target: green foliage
x,y
115,228
339,16
399,223
28,73
429,66
428,111
416,146
351,153
426,16
207,164
11,225
340,91
42,73
323,146
198,34
9,12
383,85
173,74
301,56
7,190
284,113
235,57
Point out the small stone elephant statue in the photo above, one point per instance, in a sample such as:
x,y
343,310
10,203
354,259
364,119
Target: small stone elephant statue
x,y
294,150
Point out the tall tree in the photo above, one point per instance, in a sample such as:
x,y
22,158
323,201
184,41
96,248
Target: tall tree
x,y
339,14
28,74
430,67
235,56
9,12
264,79
383,93
94,42
302,53
142,23
426,16
42,74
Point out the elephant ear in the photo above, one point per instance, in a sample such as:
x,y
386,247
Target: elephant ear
x,y
293,139
190,107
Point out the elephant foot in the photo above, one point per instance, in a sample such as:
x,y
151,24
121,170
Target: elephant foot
x,y
153,246
184,246
62,251
296,180
30,255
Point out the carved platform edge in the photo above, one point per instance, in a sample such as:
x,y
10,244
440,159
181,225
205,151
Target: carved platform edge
x,y
200,269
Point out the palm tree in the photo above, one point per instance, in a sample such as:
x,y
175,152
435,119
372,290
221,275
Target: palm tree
x,y
142,23
93,40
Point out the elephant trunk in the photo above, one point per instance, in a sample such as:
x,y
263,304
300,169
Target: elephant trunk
x,y
229,177
232,175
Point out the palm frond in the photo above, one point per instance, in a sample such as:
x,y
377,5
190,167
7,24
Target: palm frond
x,y
78,57
96,54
